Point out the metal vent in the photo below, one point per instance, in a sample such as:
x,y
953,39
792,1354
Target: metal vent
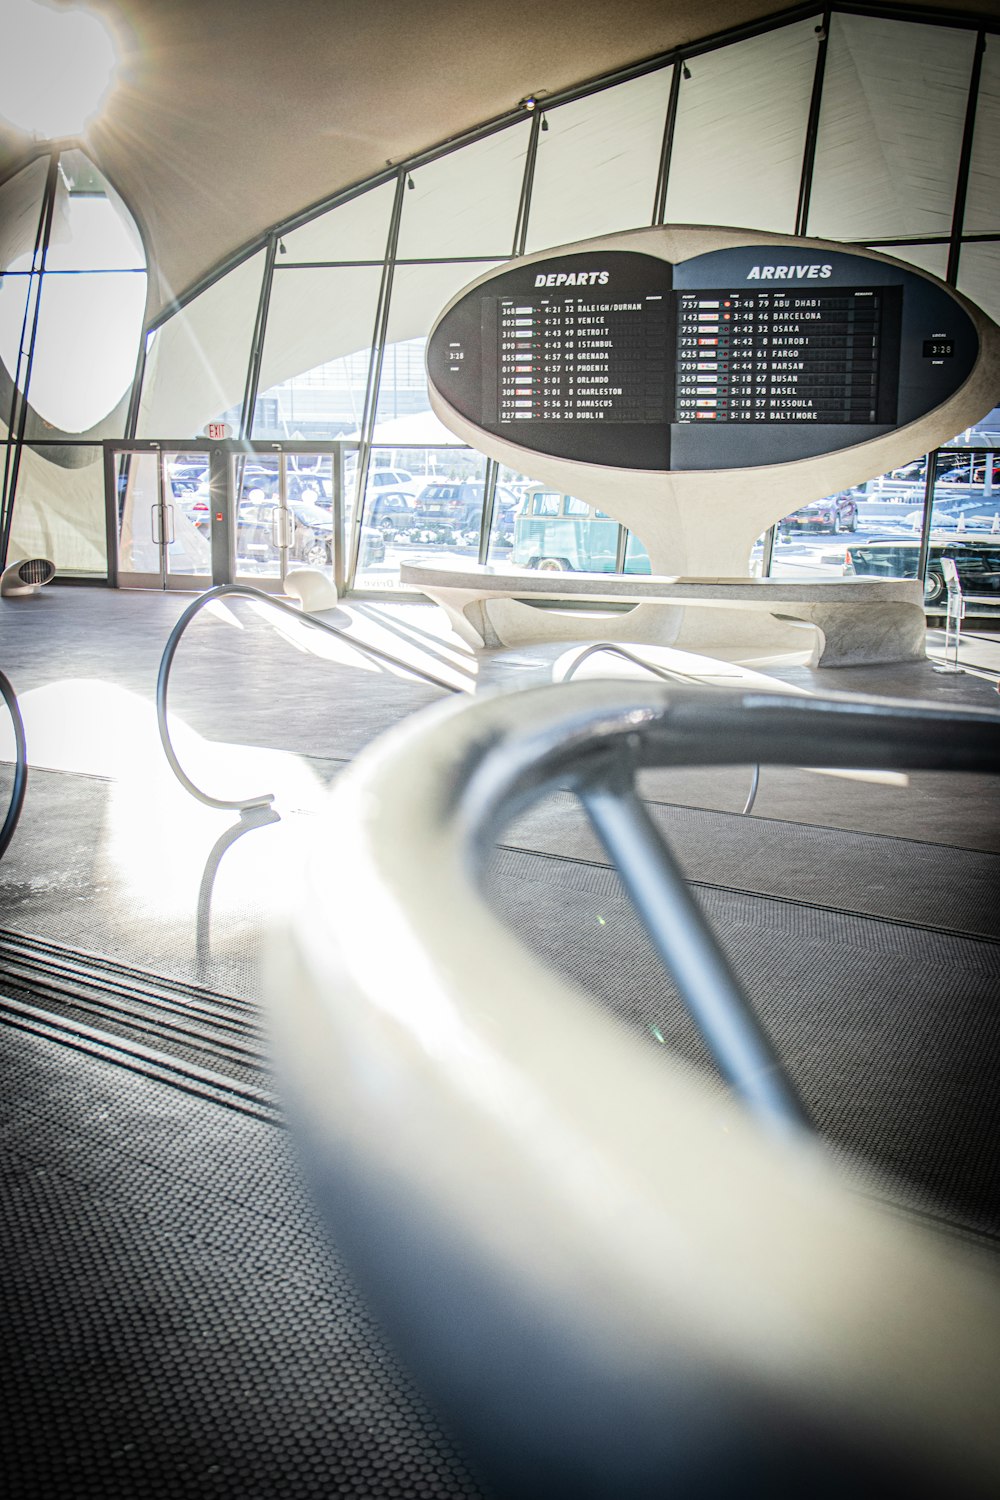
x,y
35,570
26,575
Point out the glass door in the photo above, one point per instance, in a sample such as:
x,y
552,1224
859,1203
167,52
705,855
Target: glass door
x,y
284,515
162,514
261,529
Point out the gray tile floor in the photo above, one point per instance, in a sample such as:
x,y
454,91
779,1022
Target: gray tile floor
x,y
840,890
113,856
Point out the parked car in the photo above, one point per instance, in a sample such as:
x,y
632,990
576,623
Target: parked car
x,y
186,474
254,476
977,563
380,480
257,533
455,503
558,533
311,539
451,511
196,505
834,513
308,485
391,511
971,473
506,502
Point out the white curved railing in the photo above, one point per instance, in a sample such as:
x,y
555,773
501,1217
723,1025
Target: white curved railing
x,y
616,1282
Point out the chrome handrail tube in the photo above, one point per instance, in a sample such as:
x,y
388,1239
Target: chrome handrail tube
x,y
245,591
20,765
668,674
613,1280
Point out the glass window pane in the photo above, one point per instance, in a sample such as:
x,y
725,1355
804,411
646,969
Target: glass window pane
x,y
559,534
355,231
89,328
965,525
59,509
431,509
636,556
92,230
932,258
741,125
979,277
20,206
982,206
890,128
882,517
314,369
14,290
91,305
196,362
982,434
597,163
466,203
508,502
419,293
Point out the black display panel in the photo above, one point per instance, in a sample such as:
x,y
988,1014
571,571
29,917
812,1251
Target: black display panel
x,y
571,358
824,355
754,355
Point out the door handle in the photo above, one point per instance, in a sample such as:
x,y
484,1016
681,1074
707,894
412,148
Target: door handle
x,y
156,525
281,528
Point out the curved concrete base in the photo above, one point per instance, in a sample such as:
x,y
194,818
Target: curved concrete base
x,y
314,590
846,621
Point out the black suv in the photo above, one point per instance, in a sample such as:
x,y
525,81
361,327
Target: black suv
x,y
454,504
977,563
456,507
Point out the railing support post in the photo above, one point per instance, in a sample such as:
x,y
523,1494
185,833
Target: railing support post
x,y
687,947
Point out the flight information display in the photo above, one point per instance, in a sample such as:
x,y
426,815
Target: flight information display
x,y
581,358
787,356
744,356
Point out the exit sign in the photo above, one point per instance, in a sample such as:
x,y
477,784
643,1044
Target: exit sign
x,y
218,431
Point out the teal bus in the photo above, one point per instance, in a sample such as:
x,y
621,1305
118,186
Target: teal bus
x,y
559,533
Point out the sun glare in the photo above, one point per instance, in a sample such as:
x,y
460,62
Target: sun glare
x,y
57,67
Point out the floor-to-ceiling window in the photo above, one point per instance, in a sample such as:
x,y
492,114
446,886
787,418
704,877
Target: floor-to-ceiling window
x,y
72,300
860,128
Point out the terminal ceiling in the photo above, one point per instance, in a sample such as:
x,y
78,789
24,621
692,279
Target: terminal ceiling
x,y
229,118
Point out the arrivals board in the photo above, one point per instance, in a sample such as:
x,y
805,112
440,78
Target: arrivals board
x,y
787,355
744,356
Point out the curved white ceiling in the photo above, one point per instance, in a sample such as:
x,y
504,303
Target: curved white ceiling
x,y
231,115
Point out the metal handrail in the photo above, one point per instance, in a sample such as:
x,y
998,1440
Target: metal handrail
x,y
469,775
263,799
668,674
597,1234
20,765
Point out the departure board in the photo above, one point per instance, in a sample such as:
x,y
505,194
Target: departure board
x,y
579,358
743,356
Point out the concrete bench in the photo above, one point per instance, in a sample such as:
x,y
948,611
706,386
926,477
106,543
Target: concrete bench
x,y
830,622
